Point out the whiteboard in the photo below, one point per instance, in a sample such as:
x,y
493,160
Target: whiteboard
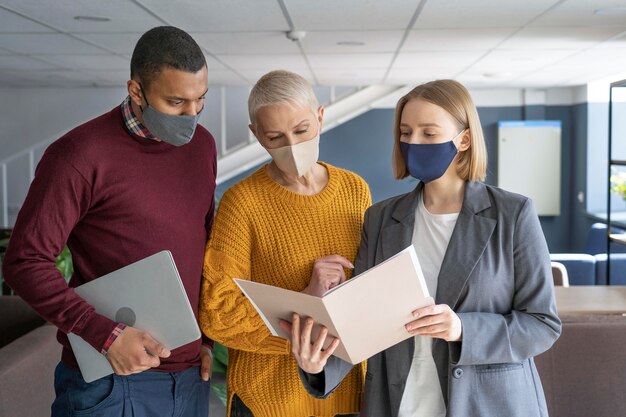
x,y
529,162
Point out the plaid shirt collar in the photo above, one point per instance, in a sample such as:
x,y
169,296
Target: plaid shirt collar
x,y
132,122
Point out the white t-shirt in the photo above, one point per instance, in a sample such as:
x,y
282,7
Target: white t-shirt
x,y
431,234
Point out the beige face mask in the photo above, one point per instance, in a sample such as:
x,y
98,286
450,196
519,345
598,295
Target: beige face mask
x,y
296,159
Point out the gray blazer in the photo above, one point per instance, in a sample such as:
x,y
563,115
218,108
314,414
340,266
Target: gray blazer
x,y
496,276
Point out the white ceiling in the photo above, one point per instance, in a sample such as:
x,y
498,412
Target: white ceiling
x,y
484,43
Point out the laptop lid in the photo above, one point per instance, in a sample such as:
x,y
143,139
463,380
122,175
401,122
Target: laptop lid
x,y
148,295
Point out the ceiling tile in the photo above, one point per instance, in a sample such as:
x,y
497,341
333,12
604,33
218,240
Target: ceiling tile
x,y
501,62
60,14
226,77
455,60
455,39
24,63
114,77
354,76
267,62
90,62
221,15
121,43
581,13
342,62
398,76
563,37
480,81
567,44
373,41
11,22
617,43
456,14
246,42
9,78
45,44
252,75
57,77
351,14
592,61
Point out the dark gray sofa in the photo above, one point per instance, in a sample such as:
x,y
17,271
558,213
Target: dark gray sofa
x,y
584,373
29,352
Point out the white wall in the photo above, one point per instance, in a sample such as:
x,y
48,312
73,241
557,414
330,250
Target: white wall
x,y
29,116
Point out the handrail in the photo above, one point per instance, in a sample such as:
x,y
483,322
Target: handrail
x,y
235,160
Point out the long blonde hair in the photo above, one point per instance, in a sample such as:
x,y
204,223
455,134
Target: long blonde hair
x,y
454,98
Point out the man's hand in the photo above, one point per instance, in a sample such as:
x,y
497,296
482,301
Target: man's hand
x,y
206,363
327,273
135,351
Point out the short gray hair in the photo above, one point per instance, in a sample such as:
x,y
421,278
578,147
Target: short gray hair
x,y
281,87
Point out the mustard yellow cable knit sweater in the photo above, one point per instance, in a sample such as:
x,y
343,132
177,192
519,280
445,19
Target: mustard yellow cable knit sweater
x,y
266,233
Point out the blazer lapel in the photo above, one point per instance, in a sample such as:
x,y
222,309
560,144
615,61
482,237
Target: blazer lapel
x,y
467,243
398,234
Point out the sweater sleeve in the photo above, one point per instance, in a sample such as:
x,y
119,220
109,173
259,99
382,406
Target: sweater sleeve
x,y
226,315
58,198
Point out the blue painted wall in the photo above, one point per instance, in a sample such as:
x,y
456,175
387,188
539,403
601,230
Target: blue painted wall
x,y
364,144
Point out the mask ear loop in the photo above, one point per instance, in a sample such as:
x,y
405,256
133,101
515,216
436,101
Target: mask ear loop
x,y
457,135
143,95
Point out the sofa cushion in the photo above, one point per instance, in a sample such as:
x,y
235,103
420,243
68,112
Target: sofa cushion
x,y
618,269
581,267
27,373
16,319
584,373
596,240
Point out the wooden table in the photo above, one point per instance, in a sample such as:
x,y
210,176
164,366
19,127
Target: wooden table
x,y
587,299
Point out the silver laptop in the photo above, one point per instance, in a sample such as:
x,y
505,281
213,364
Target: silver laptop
x,y
148,295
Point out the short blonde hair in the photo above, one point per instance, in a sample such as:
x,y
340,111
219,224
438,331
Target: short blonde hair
x,y
281,87
454,98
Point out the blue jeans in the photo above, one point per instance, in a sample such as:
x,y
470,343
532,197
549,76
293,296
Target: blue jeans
x,y
175,394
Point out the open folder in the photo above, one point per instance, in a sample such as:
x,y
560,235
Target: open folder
x,y
367,313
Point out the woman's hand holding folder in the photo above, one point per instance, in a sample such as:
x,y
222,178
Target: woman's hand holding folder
x,y
309,353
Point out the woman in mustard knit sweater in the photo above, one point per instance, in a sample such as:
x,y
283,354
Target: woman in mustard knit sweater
x,y
295,223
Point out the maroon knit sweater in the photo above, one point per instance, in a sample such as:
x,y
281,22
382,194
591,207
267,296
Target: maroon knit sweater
x,y
115,198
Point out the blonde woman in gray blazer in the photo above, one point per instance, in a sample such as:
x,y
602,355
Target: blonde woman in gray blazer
x,y
484,256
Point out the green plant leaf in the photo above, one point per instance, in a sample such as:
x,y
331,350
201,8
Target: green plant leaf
x,y
219,389
64,263
220,358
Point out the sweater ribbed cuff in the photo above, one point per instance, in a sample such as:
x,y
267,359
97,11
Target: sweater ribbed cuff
x,y
277,346
95,329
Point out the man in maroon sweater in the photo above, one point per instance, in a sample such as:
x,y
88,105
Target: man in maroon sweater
x,y
132,182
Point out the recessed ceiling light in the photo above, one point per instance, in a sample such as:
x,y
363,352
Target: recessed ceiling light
x,y
610,10
350,43
503,74
92,18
